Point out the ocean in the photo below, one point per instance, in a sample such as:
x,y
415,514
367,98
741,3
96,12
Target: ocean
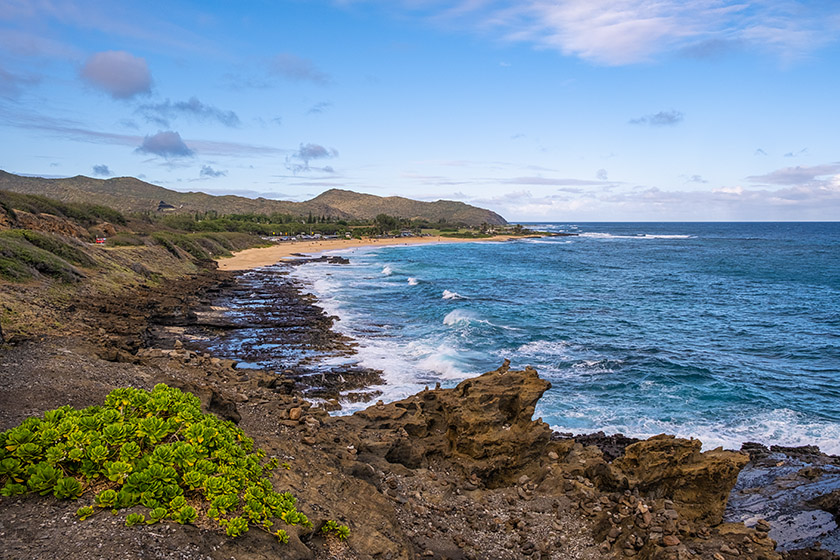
x,y
726,332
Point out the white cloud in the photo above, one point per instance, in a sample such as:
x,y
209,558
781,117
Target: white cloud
x,y
618,32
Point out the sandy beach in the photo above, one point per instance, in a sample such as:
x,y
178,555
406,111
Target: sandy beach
x,y
265,256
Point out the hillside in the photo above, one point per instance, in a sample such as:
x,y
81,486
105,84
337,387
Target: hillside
x,y
369,206
128,194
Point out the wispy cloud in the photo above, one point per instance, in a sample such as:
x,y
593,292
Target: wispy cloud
x,y
662,118
80,132
319,108
167,144
118,73
797,153
34,18
293,67
162,113
12,84
619,32
553,181
798,175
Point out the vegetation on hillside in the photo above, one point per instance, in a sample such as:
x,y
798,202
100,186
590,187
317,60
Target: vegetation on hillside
x,y
83,213
55,239
130,195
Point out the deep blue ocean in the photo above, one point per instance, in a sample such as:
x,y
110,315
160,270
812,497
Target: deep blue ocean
x,y
727,332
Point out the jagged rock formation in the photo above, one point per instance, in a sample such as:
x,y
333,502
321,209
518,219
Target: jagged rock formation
x,y
484,424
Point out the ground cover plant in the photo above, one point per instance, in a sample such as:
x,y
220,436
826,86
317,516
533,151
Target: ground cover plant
x,y
150,449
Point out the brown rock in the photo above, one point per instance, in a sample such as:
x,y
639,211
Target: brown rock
x,y
670,540
698,483
484,423
295,413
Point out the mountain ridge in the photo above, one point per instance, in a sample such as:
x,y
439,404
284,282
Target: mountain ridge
x,y
129,194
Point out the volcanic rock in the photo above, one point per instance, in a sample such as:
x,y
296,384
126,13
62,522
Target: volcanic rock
x,y
484,424
668,467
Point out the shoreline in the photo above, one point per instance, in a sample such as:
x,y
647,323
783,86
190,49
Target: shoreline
x,y
492,493
266,256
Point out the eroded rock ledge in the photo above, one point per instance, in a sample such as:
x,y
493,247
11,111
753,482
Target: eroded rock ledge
x,y
662,498
460,473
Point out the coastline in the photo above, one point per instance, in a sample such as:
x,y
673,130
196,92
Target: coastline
x,y
266,256
517,493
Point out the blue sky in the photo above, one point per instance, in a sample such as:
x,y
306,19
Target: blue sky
x,y
560,110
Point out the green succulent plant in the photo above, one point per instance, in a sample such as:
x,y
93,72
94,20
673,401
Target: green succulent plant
x,y
154,449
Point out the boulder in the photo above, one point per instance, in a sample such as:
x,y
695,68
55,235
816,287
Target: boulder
x,y
669,467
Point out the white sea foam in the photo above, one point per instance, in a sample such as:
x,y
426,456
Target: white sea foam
x,y
597,366
387,271
452,295
459,316
412,281
776,427
599,235
547,241
541,348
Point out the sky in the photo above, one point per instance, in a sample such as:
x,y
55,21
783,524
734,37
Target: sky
x,y
541,110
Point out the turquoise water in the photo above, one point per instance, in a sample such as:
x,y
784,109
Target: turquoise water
x,y
726,332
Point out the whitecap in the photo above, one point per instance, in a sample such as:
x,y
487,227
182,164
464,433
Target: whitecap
x,y
452,295
387,271
412,281
459,316
773,427
602,235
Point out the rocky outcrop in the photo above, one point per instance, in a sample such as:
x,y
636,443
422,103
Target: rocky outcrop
x,y
484,424
50,224
668,467
796,490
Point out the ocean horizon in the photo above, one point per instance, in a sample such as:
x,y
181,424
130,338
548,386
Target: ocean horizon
x,y
723,331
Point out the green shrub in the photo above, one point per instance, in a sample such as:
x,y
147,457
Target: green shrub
x,y
126,240
173,241
21,260
154,449
333,528
53,244
84,213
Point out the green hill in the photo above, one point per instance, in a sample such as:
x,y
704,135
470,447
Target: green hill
x,y
128,195
368,206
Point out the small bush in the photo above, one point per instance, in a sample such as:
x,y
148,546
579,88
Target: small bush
x,y
54,245
173,241
153,449
21,260
126,240
86,214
